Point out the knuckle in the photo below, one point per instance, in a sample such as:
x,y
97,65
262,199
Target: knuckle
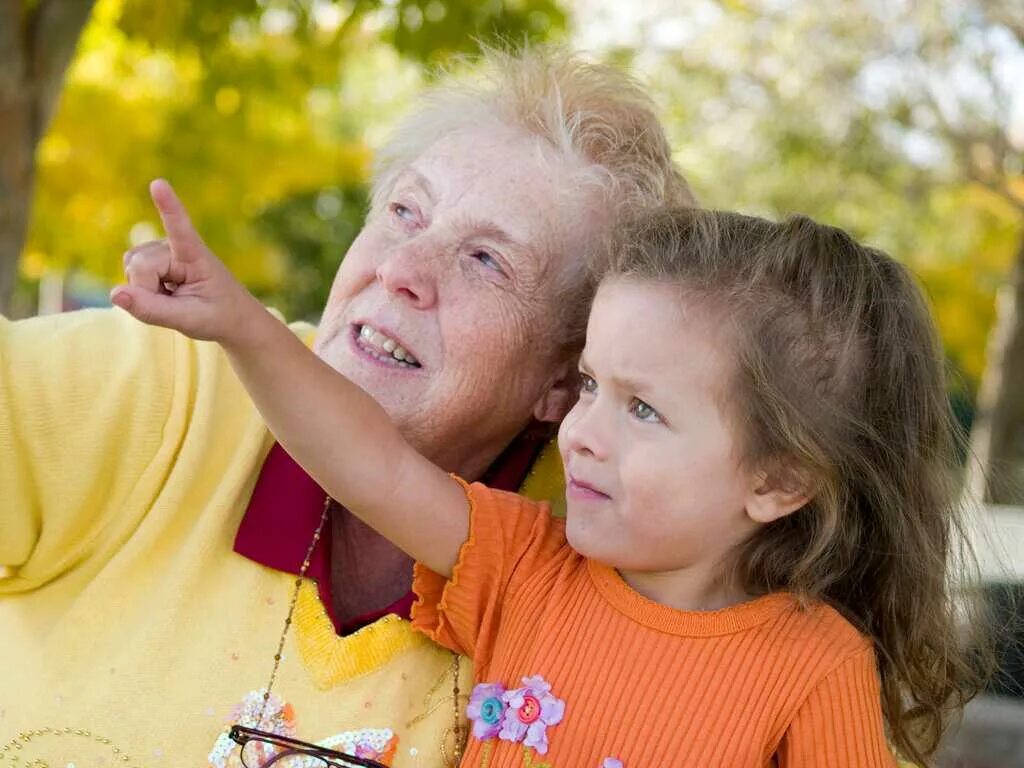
x,y
135,268
146,260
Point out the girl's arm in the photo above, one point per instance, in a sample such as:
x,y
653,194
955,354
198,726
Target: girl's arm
x,y
840,722
338,433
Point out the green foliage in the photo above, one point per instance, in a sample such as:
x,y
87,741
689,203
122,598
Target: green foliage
x,y
254,111
837,115
263,114
431,30
315,230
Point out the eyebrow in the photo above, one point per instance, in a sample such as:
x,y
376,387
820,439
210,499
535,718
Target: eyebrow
x,y
631,385
419,180
492,231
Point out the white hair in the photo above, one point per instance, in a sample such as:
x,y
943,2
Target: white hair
x,y
594,115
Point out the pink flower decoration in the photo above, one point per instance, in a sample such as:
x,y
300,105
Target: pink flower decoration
x,y
531,709
365,750
486,709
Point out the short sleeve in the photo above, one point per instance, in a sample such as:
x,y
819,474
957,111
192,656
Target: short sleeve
x,y
840,723
510,537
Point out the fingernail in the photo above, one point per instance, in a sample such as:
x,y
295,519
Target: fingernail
x,y
120,298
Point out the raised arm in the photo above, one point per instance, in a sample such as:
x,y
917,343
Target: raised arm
x,y
337,432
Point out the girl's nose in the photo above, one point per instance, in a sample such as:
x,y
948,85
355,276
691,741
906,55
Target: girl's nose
x,y
585,430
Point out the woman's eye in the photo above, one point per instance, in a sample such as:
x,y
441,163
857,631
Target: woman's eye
x,y
587,384
643,411
488,261
403,212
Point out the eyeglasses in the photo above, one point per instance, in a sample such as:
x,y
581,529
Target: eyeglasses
x,y
260,749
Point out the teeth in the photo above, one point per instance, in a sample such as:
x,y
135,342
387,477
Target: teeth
x,y
387,345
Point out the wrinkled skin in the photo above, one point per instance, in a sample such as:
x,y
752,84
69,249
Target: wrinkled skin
x,y
460,265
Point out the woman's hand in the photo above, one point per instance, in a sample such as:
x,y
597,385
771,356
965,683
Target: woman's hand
x,y
179,283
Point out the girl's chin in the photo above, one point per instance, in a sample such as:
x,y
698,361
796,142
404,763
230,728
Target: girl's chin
x,y
587,539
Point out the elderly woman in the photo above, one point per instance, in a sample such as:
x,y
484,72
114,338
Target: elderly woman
x,y
163,562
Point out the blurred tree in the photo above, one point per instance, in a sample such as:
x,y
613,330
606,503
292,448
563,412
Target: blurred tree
x,y
255,110
315,229
892,120
37,40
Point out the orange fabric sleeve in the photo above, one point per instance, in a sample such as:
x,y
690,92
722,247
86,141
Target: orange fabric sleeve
x,y
509,537
840,724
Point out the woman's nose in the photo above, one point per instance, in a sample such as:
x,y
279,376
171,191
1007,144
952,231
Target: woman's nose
x,y
410,274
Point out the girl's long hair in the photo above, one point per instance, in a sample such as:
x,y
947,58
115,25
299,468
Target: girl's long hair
x,y
839,387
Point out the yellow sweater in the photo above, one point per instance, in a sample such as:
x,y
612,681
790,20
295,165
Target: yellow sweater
x,y
127,623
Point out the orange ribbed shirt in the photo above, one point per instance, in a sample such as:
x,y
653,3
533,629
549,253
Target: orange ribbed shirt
x,y
612,676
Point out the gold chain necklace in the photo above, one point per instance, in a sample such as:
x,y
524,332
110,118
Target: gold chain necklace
x,y
291,608
456,728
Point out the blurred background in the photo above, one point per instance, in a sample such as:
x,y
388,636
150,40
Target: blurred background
x,y
900,121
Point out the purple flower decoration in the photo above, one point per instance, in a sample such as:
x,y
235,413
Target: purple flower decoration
x,y
531,710
611,762
486,709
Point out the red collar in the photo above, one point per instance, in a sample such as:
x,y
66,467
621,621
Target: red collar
x,y
286,505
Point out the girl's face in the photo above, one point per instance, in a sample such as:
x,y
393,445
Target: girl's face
x,y
654,482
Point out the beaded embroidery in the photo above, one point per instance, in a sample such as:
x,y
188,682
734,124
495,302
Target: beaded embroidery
x,y
379,744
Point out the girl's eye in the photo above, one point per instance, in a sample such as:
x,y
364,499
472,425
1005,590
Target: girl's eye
x,y
488,261
587,384
643,411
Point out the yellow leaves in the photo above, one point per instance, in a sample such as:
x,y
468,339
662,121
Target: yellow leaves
x,y
33,264
54,149
962,252
236,131
108,59
227,100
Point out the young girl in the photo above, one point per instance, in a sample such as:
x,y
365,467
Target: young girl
x,y
754,565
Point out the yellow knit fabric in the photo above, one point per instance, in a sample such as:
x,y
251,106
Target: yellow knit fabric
x,y
127,457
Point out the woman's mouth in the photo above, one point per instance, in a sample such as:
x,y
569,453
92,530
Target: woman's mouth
x,y
380,346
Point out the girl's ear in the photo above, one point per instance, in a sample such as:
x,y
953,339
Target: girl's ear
x,y
774,495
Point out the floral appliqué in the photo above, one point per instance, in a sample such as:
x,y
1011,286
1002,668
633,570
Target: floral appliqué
x,y
486,709
521,715
378,744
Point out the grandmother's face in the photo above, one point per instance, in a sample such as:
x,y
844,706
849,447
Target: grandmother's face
x,y
443,308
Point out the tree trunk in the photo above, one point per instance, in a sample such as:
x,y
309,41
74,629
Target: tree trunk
x,y
35,50
996,467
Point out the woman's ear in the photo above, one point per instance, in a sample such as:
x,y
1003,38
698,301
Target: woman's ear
x,y
774,495
560,395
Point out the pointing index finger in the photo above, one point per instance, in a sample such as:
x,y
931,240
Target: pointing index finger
x,y
182,236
